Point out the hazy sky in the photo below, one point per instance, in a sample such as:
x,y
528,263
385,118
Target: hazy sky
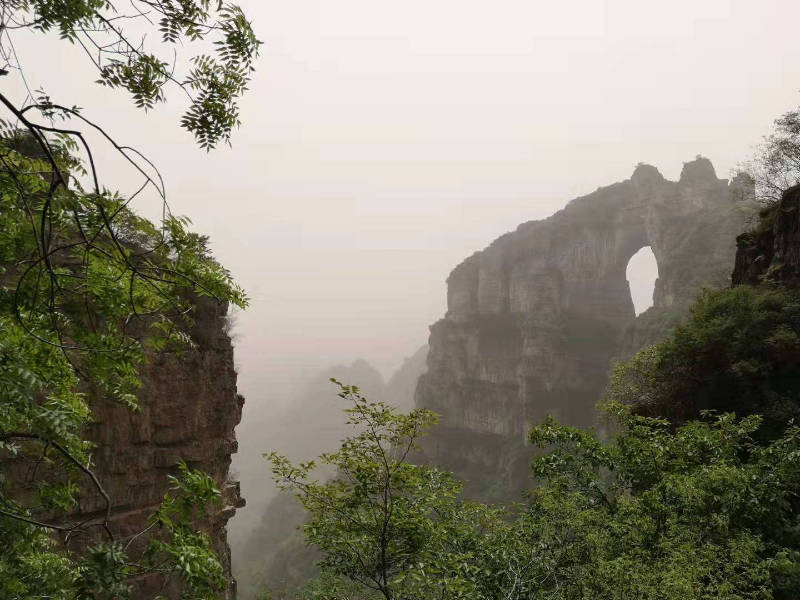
x,y
383,142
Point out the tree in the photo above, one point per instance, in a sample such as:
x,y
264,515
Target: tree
x,y
657,512
700,511
737,351
387,528
88,289
775,167
212,82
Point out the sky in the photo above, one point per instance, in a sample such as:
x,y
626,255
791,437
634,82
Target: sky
x,y
384,142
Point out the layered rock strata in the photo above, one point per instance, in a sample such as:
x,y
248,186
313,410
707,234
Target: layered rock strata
x,y
188,409
534,321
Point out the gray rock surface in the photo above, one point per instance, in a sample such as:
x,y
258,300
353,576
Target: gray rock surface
x,y
535,320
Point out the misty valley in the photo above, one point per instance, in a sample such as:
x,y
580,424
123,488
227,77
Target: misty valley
x,y
383,358
533,326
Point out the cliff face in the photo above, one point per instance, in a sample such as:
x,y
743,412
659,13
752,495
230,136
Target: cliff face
x,y
189,408
534,320
771,252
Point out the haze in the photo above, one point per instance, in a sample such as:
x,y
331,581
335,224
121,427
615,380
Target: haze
x,y
384,142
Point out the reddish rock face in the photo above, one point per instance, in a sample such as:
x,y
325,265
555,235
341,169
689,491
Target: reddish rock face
x,y
189,408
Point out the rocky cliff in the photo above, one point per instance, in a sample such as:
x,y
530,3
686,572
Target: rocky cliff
x,y
189,408
534,321
771,251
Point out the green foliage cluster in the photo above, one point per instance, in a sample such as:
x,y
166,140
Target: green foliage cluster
x,y
700,511
738,352
213,82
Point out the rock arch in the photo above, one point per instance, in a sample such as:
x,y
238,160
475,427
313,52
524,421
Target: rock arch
x,y
535,319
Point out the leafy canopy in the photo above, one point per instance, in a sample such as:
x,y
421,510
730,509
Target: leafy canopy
x,y
738,351
697,512
111,34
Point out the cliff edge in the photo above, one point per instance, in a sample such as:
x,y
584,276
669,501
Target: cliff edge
x,y
188,409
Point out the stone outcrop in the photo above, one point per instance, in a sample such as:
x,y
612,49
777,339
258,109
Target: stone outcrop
x,y
771,252
189,408
535,320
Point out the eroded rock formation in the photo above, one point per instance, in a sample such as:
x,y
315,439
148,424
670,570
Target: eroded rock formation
x,y
534,320
771,252
189,408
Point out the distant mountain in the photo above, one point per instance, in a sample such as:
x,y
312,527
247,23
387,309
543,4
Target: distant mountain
x,y
400,388
266,544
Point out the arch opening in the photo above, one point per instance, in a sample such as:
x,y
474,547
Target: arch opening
x,y
641,273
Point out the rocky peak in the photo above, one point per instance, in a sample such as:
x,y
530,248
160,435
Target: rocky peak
x,y
535,319
645,174
699,172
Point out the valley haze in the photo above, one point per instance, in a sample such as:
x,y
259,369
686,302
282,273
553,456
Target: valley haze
x,y
383,144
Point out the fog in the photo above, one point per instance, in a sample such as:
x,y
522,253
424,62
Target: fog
x,y
384,142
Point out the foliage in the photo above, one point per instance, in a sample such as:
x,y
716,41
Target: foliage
x,y
657,512
737,352
383,520
32,565
213,82
89,290
698,512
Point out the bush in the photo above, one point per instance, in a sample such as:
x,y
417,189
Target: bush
x,y
739,352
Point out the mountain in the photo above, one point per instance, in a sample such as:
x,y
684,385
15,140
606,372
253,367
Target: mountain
x,y
535,320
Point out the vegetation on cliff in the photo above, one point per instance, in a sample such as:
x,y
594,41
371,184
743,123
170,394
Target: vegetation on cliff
x,y
738,351
77,322
775,167
88,290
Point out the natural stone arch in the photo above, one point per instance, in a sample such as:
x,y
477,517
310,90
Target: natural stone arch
x,y
535,319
